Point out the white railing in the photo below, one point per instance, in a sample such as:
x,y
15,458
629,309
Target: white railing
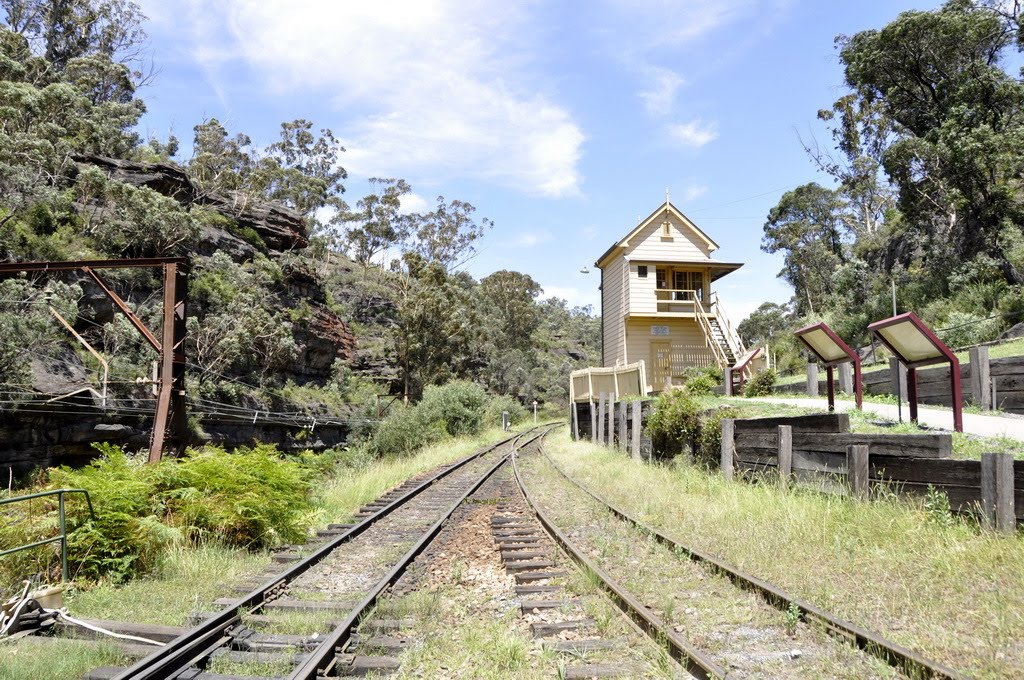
x,y
731,336
677,300
629,380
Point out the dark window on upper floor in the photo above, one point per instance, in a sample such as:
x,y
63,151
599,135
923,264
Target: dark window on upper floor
x,y
641,271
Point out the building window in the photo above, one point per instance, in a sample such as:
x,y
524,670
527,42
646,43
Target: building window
x,y
641,271
666,229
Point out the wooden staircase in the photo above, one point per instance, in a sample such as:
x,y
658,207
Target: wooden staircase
x,y
718,337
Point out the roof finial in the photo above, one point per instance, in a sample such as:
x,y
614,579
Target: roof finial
x,y
666,195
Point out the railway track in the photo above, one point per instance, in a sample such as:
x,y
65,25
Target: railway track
x,y
340,587
342,579
699,663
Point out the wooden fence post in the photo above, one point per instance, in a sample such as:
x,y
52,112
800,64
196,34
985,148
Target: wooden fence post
x,y
728,446
593,421
600,420
727,373
846,378
622,425
981,378
812,378
857,469
997,511
785,455
575,418
638,420
610,432
898,378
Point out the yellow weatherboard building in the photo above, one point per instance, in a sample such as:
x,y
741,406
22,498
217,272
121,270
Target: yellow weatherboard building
x,y
658,304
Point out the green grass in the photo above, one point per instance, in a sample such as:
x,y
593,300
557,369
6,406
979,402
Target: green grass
x,y
944,589
188,580
341,496
38,658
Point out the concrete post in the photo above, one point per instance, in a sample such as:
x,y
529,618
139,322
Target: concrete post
x,y
638,417
981,378
846,378
812,378
997,506
728,447
785,455
857,469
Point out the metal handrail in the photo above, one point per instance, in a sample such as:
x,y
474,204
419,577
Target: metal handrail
x,y
63,538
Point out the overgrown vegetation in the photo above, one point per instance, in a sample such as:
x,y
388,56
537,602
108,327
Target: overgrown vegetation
x,y
456,409
251,498
937,584
926,191
761,383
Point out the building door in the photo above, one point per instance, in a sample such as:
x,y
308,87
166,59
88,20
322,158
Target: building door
x,y
661,363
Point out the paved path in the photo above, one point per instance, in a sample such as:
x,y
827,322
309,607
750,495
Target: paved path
x,y
986,426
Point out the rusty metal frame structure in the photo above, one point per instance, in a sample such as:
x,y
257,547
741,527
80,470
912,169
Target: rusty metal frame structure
x,y
945,355
169,424
830,364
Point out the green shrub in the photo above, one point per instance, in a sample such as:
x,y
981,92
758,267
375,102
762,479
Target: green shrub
x,y
761,384
701,384
495,407
402,432
674,422
965,329
709,441
248,497
458,407
126,537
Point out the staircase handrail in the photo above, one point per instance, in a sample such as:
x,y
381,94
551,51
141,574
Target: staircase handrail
x,y
731,336
709,339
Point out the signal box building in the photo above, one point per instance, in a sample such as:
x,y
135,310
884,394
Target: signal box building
x,y
658,302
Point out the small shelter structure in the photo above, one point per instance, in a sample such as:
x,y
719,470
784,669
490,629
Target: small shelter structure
x,y
829,349
916,345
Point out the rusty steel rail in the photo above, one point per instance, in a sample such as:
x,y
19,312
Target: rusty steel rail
x,y
692,659
324,658
197,643
905,660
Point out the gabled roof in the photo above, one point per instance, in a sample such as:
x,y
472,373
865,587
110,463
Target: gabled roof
x,y
672,210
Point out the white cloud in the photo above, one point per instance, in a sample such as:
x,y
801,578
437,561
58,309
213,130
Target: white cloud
x,y
695,133
676,22
661,90
413,203
424,85
530,239
693,192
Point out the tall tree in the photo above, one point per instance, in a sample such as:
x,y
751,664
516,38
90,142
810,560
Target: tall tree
x,y
378,224
806,224
448,235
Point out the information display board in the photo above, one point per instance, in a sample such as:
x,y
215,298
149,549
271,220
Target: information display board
x,y
830,350
916,345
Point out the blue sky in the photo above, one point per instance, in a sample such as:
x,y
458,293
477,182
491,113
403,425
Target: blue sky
x,y
564,122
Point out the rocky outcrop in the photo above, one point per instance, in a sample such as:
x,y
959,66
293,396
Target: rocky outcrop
x,y
278,226
324,339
